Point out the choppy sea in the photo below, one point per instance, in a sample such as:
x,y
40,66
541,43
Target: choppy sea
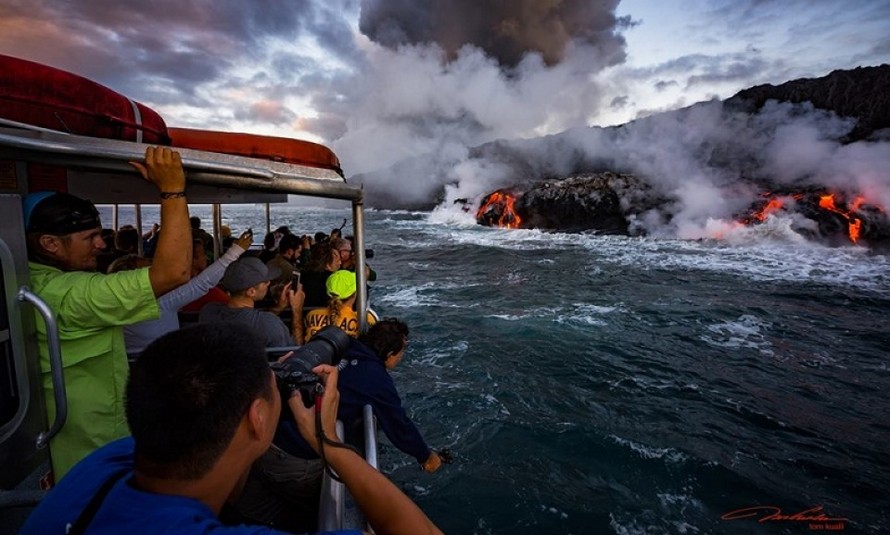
x,y
601,384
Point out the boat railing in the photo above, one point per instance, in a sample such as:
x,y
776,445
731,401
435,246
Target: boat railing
x,y
337,510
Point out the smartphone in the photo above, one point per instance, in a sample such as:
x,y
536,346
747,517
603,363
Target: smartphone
x,y
295,280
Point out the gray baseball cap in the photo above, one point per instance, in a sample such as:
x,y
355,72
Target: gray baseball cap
x,y
246,272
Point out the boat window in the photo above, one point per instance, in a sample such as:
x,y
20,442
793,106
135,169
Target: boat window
x,y
10,397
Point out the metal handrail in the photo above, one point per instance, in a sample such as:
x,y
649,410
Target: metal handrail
x,y
55,364
203,166
370,430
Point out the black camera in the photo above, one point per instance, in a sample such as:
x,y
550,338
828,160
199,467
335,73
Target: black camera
x,y
369,253
294,374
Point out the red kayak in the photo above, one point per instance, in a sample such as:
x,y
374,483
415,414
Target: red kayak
x,y
277,149
51,98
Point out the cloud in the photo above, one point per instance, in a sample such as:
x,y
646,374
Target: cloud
x,y
661,85
504,30
619,102
720,70
161,51
413,100
266,111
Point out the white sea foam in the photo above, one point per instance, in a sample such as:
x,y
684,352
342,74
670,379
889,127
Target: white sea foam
x,y
744,333
766,260
409,297
424,295
553,510
508,317
440,356
649,452
683,500
771,251
645,383
584,314
630,526
451,215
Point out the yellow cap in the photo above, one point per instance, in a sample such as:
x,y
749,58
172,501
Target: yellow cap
x,y
341,284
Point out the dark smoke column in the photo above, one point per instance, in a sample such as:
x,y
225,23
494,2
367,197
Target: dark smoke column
x,y
504,29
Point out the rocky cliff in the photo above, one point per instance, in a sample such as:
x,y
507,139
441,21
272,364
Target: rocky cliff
x,y
594,200
862,93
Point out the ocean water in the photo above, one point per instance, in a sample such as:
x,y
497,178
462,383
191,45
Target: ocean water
x,y
593,384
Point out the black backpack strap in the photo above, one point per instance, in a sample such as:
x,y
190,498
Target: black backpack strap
x,y
86,516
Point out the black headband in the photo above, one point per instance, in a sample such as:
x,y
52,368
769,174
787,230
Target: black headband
x,y
61,214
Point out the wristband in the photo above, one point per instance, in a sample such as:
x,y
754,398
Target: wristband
x,y
172,194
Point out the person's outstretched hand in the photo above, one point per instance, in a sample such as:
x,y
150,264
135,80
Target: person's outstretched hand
x,y
432,463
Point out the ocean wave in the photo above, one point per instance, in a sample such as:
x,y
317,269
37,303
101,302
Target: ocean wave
x,y
854,267
772,251
648,452
746,332
412,296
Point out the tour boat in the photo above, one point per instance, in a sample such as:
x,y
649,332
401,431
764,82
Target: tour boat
x,y
62,132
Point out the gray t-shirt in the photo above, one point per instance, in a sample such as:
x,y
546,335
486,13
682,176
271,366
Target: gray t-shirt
x,y
262,322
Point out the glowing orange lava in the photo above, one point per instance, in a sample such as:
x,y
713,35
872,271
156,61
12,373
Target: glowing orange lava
x,y
503,203
774,205
827,201
854,224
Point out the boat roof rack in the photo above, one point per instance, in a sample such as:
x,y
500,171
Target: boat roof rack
x,y
94,165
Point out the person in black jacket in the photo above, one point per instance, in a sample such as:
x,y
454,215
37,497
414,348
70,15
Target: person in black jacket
x,y
365,379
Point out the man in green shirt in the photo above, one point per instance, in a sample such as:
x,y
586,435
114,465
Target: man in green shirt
x,y
64,241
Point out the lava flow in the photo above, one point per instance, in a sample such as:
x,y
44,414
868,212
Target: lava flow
x,y
821,206
499,210
826,202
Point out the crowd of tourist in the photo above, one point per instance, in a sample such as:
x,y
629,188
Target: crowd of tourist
x,y
181,425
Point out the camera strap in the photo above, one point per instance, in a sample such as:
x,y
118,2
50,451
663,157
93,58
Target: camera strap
x,y
86,516
323,439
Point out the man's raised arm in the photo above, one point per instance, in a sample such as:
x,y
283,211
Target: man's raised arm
x,y
172,262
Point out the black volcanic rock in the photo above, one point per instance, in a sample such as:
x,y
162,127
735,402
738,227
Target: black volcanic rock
x,y
862,93
602,202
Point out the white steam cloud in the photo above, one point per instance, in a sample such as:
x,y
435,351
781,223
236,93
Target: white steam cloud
x,y
711,162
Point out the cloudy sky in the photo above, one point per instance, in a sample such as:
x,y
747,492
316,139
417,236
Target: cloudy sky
x,y
381,80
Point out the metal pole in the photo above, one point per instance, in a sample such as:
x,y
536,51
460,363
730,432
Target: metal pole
x,y
138,208
217,231
358,248
268,220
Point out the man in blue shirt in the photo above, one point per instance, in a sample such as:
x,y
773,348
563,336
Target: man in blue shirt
x,y
202,405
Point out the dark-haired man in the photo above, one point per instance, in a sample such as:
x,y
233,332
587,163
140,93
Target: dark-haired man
x,y
63,234
202,405
247,280
285,261
365,380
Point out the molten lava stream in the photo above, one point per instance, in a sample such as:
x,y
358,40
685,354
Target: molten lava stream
x,y
854,225
504,204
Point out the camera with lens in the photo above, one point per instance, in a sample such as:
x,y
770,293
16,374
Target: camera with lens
x,y
294,374
369,253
